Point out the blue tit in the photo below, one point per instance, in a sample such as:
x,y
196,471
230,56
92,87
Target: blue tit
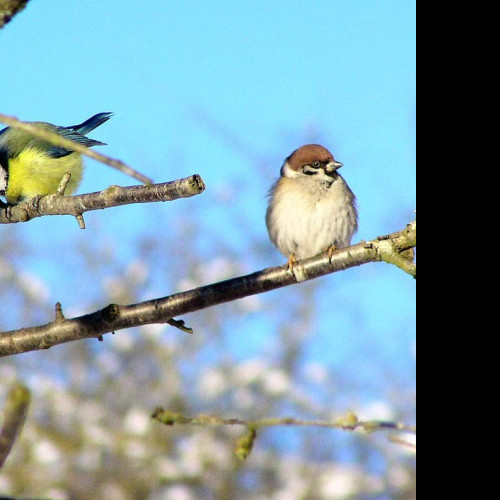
x,y
30,166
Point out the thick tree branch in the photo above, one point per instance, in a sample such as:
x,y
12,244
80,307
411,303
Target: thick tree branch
x,y
59,140
111,197
9,8
163,310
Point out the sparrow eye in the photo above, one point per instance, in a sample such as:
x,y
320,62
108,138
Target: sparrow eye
x,y
316,164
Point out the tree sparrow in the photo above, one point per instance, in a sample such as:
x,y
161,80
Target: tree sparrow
x,y
311,208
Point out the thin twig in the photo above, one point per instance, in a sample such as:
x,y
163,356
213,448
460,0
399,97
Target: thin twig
x,y
245,443
349,422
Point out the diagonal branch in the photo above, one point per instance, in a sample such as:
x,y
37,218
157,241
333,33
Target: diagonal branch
x,y
59,140
111,197
116,317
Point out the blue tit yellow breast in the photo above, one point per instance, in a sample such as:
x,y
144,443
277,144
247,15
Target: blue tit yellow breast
x,y
34,172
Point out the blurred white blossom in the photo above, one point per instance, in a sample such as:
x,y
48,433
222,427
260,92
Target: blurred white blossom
x,y
46,452
137,422
212,384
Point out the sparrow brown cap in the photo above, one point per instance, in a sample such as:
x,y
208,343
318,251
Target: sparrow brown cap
x,y
308,154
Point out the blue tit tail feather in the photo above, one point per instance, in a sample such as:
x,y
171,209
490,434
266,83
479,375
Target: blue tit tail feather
x,y
92,123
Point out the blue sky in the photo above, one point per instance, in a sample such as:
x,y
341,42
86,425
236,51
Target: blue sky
x,y
227,90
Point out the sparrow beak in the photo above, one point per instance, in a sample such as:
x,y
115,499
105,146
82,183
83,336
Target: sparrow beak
x,y
332,167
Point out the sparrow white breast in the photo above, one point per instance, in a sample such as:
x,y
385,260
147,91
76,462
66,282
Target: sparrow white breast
x,y
311,207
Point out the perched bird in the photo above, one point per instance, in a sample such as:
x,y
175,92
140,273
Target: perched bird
x,y
311,208
30,166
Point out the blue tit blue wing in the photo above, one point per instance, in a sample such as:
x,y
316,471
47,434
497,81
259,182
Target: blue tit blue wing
x,y
68,133
77,133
